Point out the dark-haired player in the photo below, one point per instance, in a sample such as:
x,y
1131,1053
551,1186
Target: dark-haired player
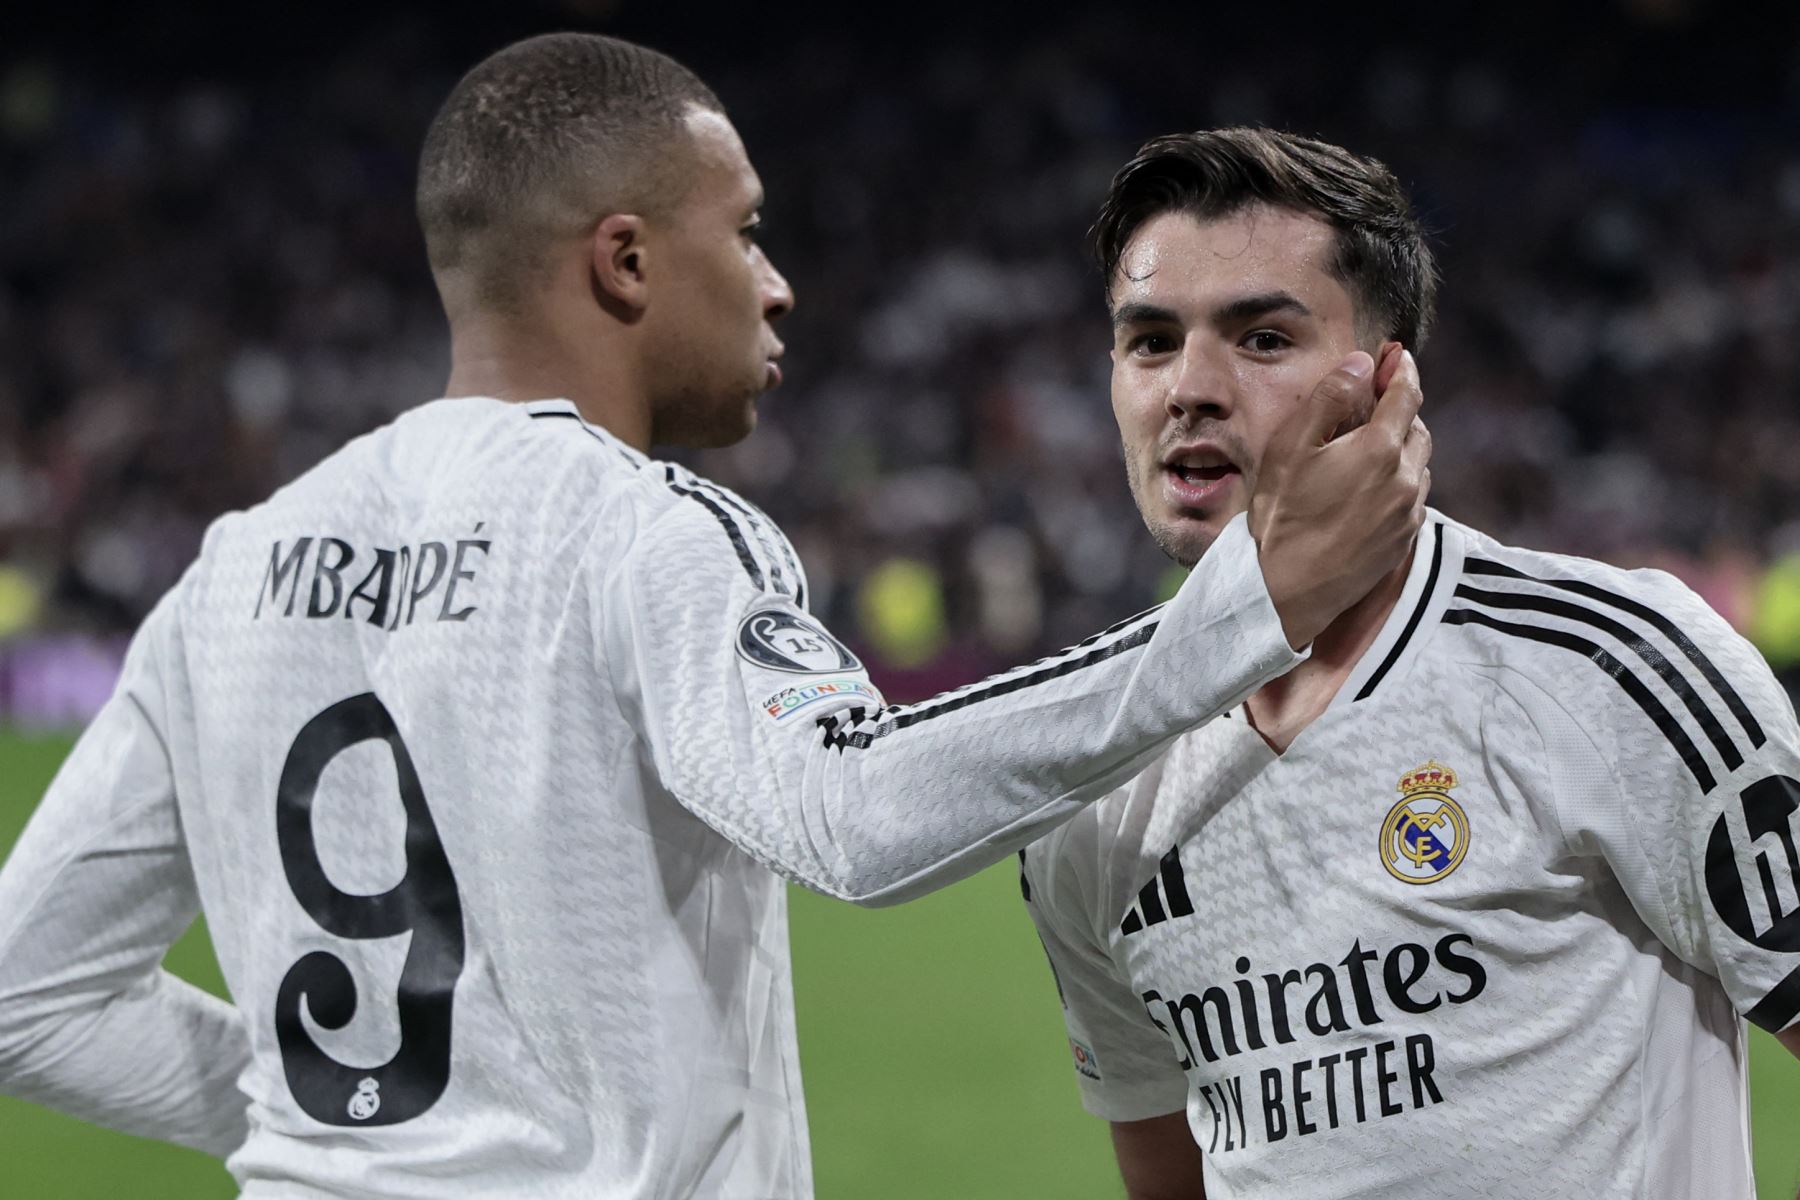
x,y
1469,903
481,744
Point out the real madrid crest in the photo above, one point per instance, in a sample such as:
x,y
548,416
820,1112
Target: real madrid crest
x,y
367,1101
1426,835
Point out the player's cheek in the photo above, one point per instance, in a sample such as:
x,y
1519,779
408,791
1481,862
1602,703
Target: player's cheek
x,y
1137,401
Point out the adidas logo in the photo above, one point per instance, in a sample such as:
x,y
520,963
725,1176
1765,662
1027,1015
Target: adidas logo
x,y
1162,899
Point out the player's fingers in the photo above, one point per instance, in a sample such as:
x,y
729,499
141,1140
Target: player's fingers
x,y
1421,500
1387,361
1399,404
1415,452
1335,397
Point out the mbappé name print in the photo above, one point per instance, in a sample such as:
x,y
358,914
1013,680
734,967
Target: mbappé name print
x,y
317,577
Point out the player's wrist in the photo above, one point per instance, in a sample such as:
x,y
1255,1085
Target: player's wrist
x,y
1303,615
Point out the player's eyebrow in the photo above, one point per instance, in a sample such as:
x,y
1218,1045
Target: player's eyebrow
x,y
1233,312
1263,304
1137,313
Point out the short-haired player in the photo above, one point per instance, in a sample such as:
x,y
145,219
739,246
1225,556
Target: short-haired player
x,y
483,745
1469,903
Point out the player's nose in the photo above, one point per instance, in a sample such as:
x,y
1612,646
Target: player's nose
x,y
1202,386
778,294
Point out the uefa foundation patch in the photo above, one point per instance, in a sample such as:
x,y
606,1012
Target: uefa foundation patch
x,y
801,698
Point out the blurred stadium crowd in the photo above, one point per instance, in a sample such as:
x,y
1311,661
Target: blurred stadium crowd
x,y
210,280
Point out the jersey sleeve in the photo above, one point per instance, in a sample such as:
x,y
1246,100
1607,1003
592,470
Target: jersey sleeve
x,y
94,893
1692,794
762,724
1124,1064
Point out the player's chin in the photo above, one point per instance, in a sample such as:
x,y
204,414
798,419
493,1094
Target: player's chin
x,y
729,426
1186,536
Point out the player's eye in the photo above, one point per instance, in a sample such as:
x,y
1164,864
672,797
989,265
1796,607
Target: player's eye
x,y
1265,341
752,231
1150,344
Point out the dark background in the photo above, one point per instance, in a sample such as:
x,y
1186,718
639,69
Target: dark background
x,y
210,277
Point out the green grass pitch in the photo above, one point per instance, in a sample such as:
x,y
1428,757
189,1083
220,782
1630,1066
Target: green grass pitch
x,y
934,1057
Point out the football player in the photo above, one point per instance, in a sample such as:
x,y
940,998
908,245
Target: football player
x,y
1471,903
483,745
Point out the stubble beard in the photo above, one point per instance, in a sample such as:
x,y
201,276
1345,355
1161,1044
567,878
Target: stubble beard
x,y
700,416
1185,546
1185,549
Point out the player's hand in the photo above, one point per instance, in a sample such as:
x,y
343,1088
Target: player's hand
x,y
1334,512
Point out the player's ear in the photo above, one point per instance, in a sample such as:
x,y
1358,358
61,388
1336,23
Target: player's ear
x,y
621,255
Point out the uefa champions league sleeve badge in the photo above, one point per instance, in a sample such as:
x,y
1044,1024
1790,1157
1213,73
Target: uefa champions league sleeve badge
x,y
1426,834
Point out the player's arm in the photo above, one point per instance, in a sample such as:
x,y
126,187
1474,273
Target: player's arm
x,y
92,896
1158,1159
790,754
1125,1065
1696,802
1734,882
804,767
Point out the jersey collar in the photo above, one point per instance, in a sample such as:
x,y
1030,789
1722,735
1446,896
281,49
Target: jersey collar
x,y
565,409
1436,566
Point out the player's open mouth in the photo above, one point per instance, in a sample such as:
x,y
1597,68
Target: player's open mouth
x,y
1194,485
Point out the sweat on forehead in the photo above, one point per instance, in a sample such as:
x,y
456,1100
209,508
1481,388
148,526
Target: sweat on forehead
x,y
1249,264
1254,251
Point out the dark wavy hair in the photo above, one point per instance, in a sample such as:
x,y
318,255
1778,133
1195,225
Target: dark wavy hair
x,y
1381,258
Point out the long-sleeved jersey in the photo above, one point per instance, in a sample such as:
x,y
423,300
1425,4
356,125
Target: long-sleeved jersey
x,y
480,746
1485,929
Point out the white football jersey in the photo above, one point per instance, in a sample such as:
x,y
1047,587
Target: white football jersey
x,y
1486,928
476,746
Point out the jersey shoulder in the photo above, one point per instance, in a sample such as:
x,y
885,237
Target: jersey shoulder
x,y
531,479
1062,874
1090,868
688,514
508,457
1634,657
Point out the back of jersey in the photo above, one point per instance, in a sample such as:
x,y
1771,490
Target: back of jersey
x,y
477,949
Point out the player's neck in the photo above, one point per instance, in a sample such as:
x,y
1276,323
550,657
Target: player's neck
x,y
521,360
1283,707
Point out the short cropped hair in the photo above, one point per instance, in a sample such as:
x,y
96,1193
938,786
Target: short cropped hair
x,y
542,139
1381,257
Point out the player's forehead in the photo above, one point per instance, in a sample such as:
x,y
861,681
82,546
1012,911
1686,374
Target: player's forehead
x,y
1178,261
723,175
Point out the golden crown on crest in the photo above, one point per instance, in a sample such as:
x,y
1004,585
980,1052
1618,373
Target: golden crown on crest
x,y
1434,776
